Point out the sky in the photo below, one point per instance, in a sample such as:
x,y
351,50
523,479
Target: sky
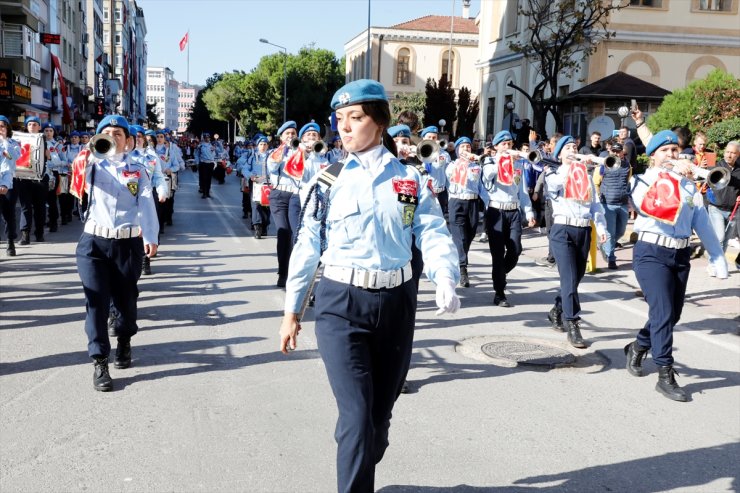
x,y
224,34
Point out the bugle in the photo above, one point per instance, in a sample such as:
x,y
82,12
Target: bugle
x,y
532,156
102,146
608,161
427,151
295,143
716,178
318,147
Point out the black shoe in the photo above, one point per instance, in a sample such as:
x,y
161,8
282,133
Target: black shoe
x,y
112,331
667,384
39,238
464,280
500,300
244,215
147,267
208,195
574,334
618,245
53,228
25,238
613,265
101,376
123,353
555,316
635,354
258,231
405,389
11,249
281,282
203,196
544,262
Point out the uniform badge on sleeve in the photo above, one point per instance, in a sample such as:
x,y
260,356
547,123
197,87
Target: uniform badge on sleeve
x,y
132,181
408,214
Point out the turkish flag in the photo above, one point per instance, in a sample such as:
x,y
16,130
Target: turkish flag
x,y
184,41
662,201
460,173
25,160
277,154
505,171
77,184
295,165
577,184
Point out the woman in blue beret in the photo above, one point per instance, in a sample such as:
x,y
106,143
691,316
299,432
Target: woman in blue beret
x,y
359,220
670,209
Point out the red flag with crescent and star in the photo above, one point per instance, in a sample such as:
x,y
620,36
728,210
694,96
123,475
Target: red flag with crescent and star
x,y
77,183
662,201
24,161
295,165
577,184
277,154
460,173
505,174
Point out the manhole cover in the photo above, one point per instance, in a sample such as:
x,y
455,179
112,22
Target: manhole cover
x,y
527,353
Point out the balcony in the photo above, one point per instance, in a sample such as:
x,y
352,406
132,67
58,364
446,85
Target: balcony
x,y
19,12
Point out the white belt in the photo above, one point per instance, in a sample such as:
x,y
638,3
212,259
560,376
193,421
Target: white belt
x,y
664,241
368,279
571,221
504,206
464,196
287,188
438,190
114,234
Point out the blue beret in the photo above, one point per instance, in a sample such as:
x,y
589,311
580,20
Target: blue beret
x,y
307,128
30,119
502,136
400,131
259,140
74,133
84,134
358,91
462,140
285,126
113,121
335,138
150,133
136,129
161,132
47,125
429,130
664,137
565,139
4,118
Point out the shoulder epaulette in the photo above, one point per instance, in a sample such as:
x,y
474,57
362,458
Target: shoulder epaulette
x,y
329,175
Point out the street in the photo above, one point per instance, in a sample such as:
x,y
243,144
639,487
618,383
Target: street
x,y
210,404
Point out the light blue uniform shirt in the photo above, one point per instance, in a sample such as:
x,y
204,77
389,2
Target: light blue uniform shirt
x,y
369,227
335,155
150,160
56,162
573,209
256,165
474,183
167,158
438,171
10,151
205,153
692,216
112,205
69,156
177,159
516,192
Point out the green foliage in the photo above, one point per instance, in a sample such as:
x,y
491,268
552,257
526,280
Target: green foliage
x,y
700,105
723,132
200,117
413,101
440,103
467,112
643,161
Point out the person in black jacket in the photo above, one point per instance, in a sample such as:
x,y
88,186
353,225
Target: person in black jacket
x,y
721,203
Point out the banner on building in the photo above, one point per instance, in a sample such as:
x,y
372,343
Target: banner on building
x,y
67,113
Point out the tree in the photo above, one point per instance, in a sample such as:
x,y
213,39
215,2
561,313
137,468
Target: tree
x,y
200,117
701,105
410,101
152,119
440,103
467,112
559,35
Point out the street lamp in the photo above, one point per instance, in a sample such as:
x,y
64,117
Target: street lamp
x,y
442,124
510,106
285,76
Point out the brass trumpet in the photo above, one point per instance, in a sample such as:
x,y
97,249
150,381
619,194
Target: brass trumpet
x,y
427,150
716,178
532,156
102,146
318,147
612,162
295,143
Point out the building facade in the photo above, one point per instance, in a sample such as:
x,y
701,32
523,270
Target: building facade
x,y
162,91
185,101
668,43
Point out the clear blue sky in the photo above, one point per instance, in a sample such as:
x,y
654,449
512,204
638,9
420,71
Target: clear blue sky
x,y
224,34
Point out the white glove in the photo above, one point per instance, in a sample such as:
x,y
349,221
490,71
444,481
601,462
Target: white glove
x,y
447,300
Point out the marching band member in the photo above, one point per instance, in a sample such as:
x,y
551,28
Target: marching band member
x,y
255,171
10,151
205,158
360,229
170,166
32,195
222,157
73,150
242,156
336,153
111,249
437,170
465,188
54,160
669,207
574,205
179,162
502,177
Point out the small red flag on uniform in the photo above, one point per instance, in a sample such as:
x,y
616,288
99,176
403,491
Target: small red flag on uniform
x,y
184,41
577,184
662,201
505,175
459,174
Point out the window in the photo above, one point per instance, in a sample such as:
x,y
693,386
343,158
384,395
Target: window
x,y
12,40
403,63
117,14
30,43
647,3
448,65
106,38
118,38
490,116
106,14
512,17
715,5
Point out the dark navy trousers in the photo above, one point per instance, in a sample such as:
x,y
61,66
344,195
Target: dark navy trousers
x,y
109,270
463,224
365,339
7,209
260,215
504,230
570,245
662,273
282,207
32,196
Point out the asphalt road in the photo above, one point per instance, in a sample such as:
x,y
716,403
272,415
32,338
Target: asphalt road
x,y
211,405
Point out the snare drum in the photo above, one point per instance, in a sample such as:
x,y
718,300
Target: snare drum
x,y
261,193
175,183
63,184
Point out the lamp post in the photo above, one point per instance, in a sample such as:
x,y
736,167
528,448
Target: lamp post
x,y
511,107
285,76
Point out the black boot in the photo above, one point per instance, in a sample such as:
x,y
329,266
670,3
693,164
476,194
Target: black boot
x,y
464,280
635,354
112,332
101,377
25,238
574,334
258,231
667,384
147,267
499,299
123,353
11,249
555,316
